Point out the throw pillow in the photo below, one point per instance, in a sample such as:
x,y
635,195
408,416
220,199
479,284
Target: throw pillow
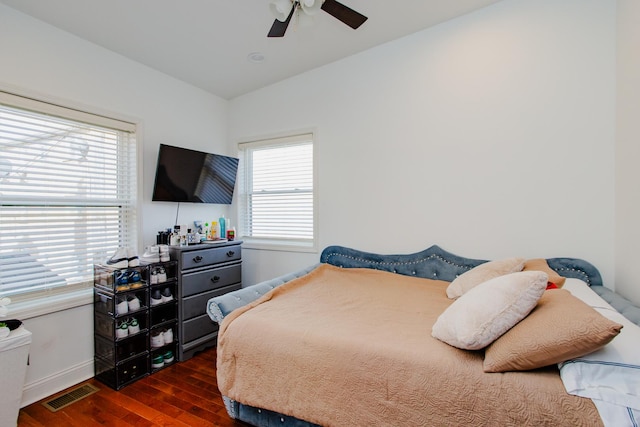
x,y
561,327
540,264
489,310
482,273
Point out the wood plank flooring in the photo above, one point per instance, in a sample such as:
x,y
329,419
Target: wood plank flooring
x,y
183,394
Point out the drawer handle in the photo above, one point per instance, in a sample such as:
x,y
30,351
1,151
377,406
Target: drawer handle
x,y
215,279
197,259
230,253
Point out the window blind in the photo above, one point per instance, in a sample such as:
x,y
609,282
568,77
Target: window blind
x,y
67,194
277,200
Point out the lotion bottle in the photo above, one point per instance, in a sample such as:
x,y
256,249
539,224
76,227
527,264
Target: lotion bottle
x,y
223,227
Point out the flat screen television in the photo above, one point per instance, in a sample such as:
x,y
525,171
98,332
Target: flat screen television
x,y
185,175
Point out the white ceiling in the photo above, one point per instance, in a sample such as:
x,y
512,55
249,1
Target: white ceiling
x,y
207,42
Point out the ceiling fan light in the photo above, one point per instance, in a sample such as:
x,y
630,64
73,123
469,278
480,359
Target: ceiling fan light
x,y
280,9
311,7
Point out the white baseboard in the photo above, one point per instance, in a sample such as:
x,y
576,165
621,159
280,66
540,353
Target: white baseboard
x,y
52,384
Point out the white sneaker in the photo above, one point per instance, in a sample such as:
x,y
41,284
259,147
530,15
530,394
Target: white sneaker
x,y
134,327
122,331
156,297
164,253
167,336
132,258
151,254
157,339
157,362
162,275
134,303
153,279
166,295
119,259
122,307
168,357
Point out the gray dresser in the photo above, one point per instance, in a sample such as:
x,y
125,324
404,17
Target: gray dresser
x,y
204,271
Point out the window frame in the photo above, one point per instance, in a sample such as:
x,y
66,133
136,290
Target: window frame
x,y
44,301
277,244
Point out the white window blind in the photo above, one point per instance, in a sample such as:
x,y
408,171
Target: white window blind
x,y
277,199
67,194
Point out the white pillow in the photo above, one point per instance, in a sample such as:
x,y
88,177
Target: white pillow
x,y
487,311
482,273
611,374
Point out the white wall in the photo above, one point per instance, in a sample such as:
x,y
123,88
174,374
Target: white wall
x,y
628,151
490,135
37,59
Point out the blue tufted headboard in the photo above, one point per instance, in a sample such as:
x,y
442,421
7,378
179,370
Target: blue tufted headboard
x,y
436,263
431,263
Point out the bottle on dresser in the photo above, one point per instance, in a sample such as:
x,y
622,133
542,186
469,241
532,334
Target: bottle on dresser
x,y
223,227
213,231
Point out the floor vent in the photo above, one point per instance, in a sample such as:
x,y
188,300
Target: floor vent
x,y
70,397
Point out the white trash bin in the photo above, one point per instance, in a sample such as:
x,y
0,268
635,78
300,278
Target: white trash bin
x,y
14,354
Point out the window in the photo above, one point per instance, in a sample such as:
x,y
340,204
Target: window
x,y
277,198
67,195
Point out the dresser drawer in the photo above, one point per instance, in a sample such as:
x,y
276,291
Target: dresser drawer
x,y
197,304
198,327
209,256
202,281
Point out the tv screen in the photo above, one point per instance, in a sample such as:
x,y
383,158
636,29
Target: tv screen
x,y
184,175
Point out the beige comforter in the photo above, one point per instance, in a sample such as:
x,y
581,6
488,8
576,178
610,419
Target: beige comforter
x,y
353,347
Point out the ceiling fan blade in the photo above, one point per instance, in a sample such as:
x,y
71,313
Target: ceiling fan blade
x,y
280,27
343,13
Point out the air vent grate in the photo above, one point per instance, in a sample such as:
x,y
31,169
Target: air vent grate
x,y
70,397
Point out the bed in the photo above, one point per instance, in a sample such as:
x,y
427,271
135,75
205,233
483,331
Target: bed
x,y
354,340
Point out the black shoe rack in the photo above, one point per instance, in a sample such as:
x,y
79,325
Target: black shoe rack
x,y
135,332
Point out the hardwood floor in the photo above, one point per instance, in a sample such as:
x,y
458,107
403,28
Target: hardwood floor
x,y
183,394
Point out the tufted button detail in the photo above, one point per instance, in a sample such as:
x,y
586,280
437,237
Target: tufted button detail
x,y
435,274
282,420
413,272
259,411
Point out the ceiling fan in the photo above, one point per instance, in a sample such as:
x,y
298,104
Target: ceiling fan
x,y
284,10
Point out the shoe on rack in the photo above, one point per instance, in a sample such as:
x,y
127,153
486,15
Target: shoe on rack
x,y
151,254
162,275
156,297
122,307
157,339
134,326
167,336
134,303
132,258
133,277
153,278
166,295
119,259
168,357
164,253
123,330
122,281
157,362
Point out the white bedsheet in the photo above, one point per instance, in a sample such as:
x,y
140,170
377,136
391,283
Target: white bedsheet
x,y
611,375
